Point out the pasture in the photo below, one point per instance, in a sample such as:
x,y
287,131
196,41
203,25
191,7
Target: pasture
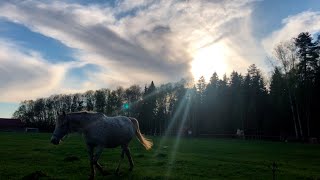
x,y
31,156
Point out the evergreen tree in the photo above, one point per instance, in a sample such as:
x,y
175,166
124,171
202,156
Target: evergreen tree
x,y
148,113
279,123
200,104
212,102
236,104
307,73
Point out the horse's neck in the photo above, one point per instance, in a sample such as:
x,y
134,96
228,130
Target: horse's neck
x,y
78,122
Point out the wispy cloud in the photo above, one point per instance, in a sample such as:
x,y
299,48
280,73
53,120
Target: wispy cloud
x,y
137,41
24,74
307,21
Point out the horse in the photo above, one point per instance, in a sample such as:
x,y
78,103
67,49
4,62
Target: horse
x,y
99,132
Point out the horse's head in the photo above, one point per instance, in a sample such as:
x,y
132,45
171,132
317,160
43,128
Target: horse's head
x,y
61,129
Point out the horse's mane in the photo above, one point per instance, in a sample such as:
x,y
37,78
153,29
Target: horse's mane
x,y
84,112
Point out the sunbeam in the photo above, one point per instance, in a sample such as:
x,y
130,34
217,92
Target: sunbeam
x,y
182,107
177,141
171,124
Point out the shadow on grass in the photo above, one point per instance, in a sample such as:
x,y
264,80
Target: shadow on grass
x,y
35,175
71,159
139,155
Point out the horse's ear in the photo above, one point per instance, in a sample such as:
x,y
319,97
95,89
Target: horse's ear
x,y
64,113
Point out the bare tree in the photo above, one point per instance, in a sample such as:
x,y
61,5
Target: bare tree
x,y
285,53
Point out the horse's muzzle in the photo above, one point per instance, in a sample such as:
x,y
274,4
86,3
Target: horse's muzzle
x,y
54,140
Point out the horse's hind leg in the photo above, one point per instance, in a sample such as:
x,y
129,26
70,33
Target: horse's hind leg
x,y
127,151
96,158
122,156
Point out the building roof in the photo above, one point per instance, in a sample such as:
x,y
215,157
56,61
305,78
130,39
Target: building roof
x,y
10,123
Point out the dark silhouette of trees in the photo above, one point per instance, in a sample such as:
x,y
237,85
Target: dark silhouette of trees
x,y
287,108
308,56
280,105
285,53
300,65
101,101
237,107
148,111
90,100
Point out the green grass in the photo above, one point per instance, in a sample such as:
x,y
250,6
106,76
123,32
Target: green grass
x,y
23,154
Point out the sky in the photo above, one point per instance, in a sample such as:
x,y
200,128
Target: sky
x,y
52,47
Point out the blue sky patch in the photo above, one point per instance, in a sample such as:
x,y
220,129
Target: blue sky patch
x,y
268,15
51,49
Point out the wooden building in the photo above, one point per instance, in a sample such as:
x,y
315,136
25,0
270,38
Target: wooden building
x,y
7,124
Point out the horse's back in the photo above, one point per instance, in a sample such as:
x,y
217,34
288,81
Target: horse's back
x,y
111,131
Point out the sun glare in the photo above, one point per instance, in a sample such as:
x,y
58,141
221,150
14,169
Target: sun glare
x,y
208,60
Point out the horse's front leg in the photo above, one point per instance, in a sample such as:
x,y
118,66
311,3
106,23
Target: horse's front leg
x,y
122,156
96,158
92,170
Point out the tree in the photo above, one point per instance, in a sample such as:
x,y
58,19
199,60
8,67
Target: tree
x,y
280,119
200,104
212,103
162,106
64,103
201,87
256,95
111,107
285,53
90,100
306,51
236,106
22,113
132,97
50,113
101,100
77,103
224,98
148,111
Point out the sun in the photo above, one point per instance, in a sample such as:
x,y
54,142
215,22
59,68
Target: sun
x,y
208,60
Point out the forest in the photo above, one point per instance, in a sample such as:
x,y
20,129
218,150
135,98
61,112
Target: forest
x,y
283,106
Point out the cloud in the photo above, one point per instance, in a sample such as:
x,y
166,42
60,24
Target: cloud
x,y
64,22
136,41
307,21
25,74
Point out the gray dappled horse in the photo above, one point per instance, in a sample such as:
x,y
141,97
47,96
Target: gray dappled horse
x,y
100,132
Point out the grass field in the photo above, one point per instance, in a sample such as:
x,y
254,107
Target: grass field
x,y
30,155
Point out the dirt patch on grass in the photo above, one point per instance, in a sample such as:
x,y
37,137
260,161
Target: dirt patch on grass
x,y
71,159
35,175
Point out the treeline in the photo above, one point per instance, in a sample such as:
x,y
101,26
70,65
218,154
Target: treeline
x,y
287,107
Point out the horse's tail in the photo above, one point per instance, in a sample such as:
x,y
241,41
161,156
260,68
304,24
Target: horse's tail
x,y
147,143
